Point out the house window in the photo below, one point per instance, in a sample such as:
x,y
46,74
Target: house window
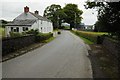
x,y
16,29
25,28
11,28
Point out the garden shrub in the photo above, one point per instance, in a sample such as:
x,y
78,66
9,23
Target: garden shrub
x,y
59,32
43,36
15,34
32,31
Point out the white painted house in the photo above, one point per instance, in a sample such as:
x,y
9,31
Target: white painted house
x,y
27,21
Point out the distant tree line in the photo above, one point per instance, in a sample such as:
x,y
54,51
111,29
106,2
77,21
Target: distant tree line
x,y
58,15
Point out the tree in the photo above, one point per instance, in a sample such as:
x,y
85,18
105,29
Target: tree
x,y
73,15
2,23
108,15
55,14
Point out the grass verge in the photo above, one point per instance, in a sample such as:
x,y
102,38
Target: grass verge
x,y
87,41
49,40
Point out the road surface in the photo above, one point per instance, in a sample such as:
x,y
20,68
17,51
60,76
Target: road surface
x,y
64,57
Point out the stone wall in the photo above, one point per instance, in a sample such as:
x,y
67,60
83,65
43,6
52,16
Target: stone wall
x,y
12,44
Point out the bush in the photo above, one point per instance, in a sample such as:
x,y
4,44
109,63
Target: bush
x,y
59,32
43,36
15,34
34,32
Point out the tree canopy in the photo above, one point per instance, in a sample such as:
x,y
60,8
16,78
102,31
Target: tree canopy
x,y
55,14
3,22
70,14
108,16
73,14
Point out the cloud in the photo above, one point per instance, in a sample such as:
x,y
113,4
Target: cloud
x,y
13,8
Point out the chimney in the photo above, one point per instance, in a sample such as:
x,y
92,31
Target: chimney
x,y
26,9
37,12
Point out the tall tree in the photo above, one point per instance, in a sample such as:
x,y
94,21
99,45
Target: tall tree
x,y
3,22
108,15
55,14
73,15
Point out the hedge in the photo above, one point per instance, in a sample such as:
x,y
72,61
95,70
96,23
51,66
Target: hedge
x,y
43,36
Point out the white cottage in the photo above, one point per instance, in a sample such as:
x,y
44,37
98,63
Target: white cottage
x,y
27,21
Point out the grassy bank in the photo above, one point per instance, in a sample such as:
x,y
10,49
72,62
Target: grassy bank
x,y
89,37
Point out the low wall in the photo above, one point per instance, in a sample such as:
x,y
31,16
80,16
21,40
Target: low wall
x,y
112,46
12,44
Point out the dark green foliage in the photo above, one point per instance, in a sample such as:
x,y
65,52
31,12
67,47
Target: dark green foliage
x,y
62,27
73,15
108,17
3,23
15,34
55,14
12,44
59,32
34,32
70,14
18,41
43,36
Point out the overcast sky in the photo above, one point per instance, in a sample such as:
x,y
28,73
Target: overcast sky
x,y
9,9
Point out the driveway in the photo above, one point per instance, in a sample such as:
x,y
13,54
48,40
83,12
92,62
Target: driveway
x,y
64,57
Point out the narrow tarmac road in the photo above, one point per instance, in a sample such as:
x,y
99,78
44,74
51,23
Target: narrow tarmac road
x,y
64,57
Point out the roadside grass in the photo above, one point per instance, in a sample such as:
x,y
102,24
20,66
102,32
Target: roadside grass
x,y
49,40
86,40
91,36
94,33
2,32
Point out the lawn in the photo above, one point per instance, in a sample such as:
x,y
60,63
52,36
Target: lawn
x,y
2,32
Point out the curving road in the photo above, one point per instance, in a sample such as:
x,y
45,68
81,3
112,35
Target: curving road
x,y
64,57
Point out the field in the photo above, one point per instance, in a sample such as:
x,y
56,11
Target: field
x,y
2,32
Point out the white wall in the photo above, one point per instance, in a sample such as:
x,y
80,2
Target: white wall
x,y
8,29
35,25
43,26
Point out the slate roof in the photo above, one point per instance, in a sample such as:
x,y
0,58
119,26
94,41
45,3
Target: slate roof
x,y
27,22
21,23
40,17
